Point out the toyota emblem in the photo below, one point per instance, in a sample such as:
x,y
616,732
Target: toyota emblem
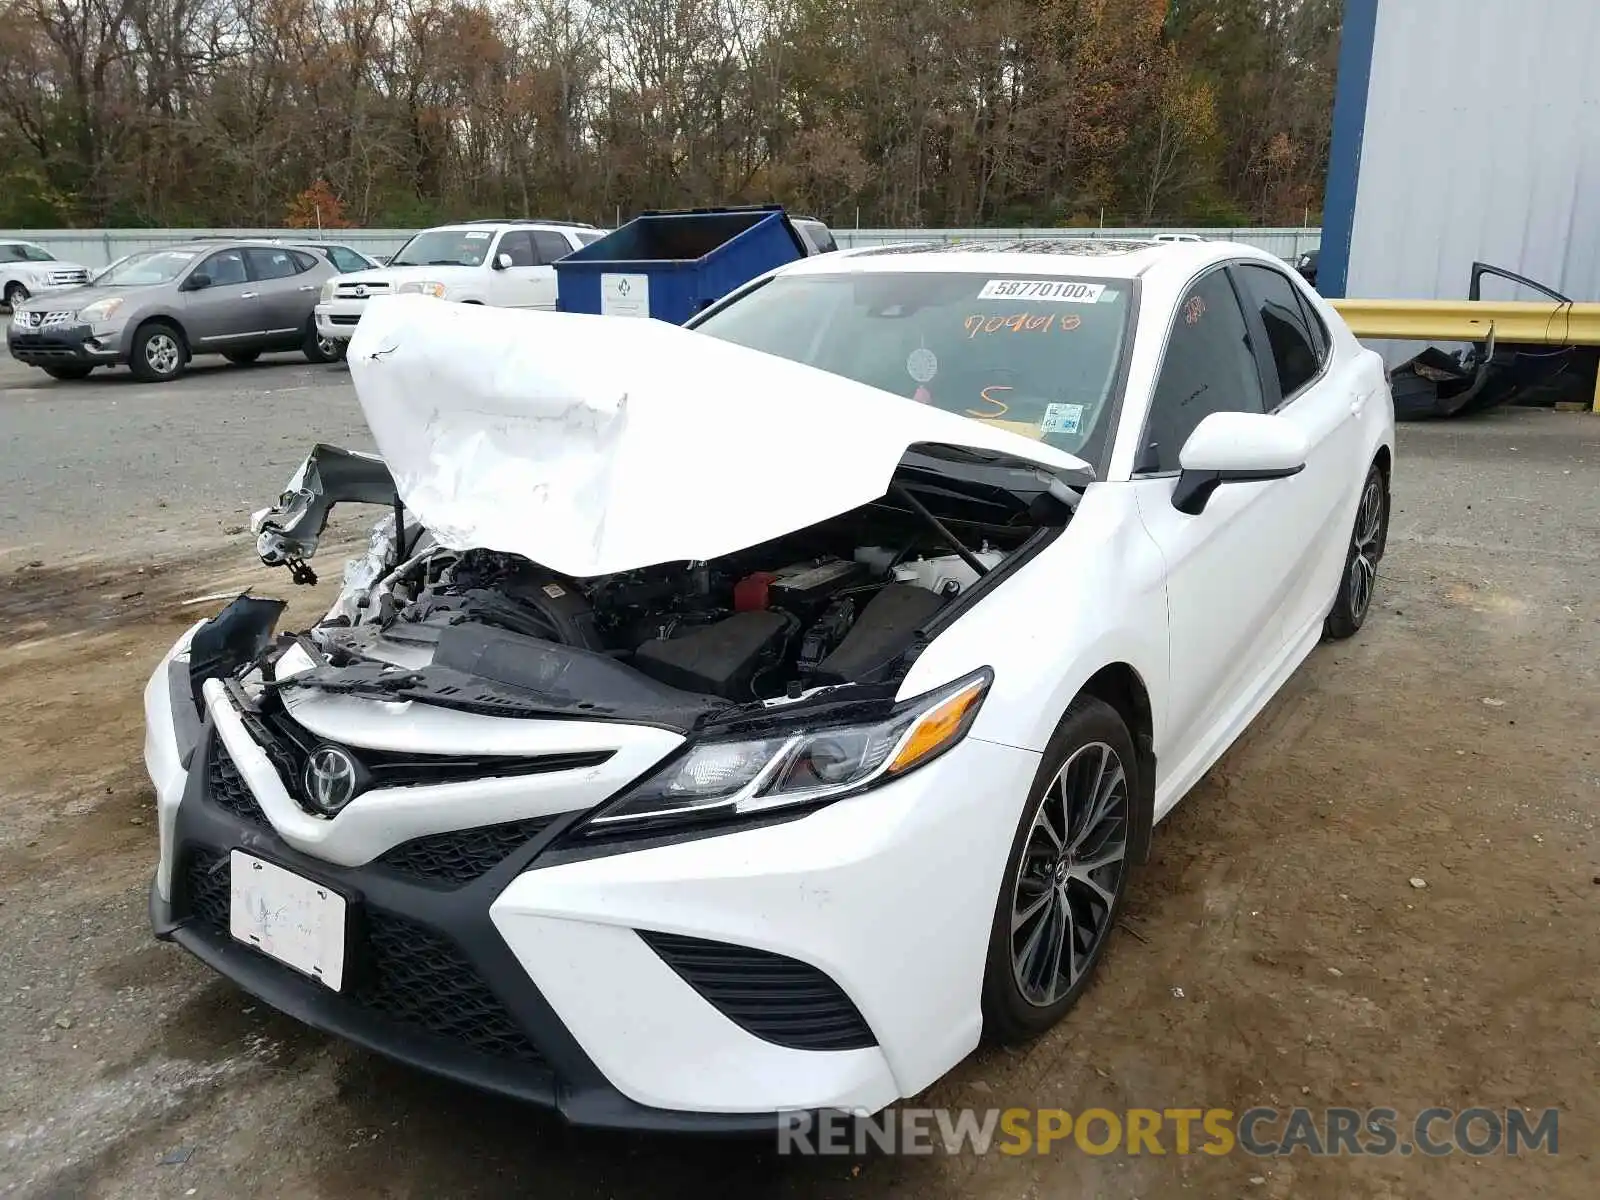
x,y
330,779
361,293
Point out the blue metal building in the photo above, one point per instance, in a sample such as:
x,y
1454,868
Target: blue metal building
x,y
1464,130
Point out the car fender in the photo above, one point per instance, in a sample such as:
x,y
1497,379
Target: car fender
x,y
1094,597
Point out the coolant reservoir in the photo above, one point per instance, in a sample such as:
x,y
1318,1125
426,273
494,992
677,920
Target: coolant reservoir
x,y
948,574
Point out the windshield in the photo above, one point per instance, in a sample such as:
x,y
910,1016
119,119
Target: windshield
x,y
142,270
1036,355
22,252
445,248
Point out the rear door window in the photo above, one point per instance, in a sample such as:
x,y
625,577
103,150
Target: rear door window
x,y
550,245
1289,341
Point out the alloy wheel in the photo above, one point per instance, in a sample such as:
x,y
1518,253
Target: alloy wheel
x,y
162,353
1364,548
1069,874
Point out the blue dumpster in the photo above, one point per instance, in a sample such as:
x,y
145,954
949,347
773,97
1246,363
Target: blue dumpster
x,y
671,264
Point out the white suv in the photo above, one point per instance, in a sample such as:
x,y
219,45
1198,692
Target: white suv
x,y
507,264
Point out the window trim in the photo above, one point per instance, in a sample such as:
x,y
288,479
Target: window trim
x,y
1251,332
1266,361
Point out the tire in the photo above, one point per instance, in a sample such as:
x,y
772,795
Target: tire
x,y
319,349
242,358
68,372
15,295
1368,537
1038,962
158,353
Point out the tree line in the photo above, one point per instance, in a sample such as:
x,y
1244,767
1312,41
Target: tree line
x,y
883,112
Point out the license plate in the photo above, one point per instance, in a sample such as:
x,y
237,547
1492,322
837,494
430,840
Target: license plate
x,y
287,917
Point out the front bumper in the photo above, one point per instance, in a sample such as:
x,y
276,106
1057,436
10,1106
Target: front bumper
x,y
65,345
337,319
590,983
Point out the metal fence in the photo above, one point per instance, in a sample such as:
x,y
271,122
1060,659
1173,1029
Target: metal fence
x,y
97,247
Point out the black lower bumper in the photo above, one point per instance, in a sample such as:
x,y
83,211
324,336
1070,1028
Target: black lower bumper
x,y
62,346
428,979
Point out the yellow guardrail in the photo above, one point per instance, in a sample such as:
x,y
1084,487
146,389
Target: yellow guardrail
x,y
1541,322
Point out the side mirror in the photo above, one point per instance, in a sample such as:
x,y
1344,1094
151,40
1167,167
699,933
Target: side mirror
x,y
1235,447
502,261
196,282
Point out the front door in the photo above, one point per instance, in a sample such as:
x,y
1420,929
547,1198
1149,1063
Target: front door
x,y
226,312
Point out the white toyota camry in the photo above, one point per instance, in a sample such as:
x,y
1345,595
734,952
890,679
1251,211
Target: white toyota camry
x,y
744,719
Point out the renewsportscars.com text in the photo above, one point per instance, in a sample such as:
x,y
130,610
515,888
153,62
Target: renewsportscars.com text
x,y
1260,1131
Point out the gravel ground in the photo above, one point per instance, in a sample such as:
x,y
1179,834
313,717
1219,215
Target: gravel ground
x,y
1274,952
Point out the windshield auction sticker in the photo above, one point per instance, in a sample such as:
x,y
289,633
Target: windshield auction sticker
x,y
1059,290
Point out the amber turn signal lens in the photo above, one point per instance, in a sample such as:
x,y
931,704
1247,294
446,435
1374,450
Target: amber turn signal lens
x,y
938,727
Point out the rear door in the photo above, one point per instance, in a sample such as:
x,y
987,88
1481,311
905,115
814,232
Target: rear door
x,y
288,286
550,246
1323,400
226,313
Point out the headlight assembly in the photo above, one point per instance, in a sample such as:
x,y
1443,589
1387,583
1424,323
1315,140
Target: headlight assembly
x,y
731,779
100,310
326,296
426,287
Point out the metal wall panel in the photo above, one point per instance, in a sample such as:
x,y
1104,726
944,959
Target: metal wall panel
x,y
97,247
1480,141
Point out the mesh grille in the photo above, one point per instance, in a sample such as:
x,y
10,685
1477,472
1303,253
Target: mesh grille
x,y
461,856
405,972
228,789
779,999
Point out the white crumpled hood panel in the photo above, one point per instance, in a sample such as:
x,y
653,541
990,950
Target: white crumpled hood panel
x,y
599,444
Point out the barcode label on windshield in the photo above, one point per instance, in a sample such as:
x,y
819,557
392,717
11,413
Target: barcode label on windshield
x,y
1060,290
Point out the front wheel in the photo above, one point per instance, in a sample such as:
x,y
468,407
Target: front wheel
x,y
15,295
319,349
158,353
1367,541
1064,881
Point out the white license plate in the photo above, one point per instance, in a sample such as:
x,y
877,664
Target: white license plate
x,y
286,916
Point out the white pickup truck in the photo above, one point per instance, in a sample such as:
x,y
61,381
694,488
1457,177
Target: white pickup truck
x,y
506,264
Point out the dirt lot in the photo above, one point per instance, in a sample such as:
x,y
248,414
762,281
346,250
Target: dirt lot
x,y
1275,952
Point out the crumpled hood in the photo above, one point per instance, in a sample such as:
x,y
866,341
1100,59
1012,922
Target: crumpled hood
x,y
599,444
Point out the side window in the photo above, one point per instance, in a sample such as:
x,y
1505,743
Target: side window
x,y
1319,331
550,245
272,264
302,261
519,246
1289,339
345,260
1208,367
225,267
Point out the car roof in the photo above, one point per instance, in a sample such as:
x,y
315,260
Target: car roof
x,y
1095,258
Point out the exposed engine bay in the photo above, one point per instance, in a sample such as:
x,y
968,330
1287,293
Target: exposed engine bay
x,y
840,603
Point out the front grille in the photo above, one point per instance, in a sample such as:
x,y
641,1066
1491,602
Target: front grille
x,y
780,1000
227,787
400,971
463,855
63,278
360,291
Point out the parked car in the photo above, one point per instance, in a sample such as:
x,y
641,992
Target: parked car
x,y
1176,237
507,264
817,236
345,259
156,310
663,765
28,269
1306,264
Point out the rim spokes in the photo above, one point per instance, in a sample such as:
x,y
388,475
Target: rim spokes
x,y
1069,872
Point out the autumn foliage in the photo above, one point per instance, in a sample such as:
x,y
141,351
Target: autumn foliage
x,y
317,208
896,112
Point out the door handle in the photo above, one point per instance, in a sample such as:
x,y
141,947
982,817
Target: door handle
x,y
247,295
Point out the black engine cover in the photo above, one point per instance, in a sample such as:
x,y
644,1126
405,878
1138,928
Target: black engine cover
x,y
720,658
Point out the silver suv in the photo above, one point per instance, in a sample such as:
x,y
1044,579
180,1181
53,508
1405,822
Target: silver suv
x,y
156,310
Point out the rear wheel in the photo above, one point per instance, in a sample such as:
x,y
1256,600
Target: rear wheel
x,y
68,372
15,295
1367,540
1064,881
242,358
158,353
